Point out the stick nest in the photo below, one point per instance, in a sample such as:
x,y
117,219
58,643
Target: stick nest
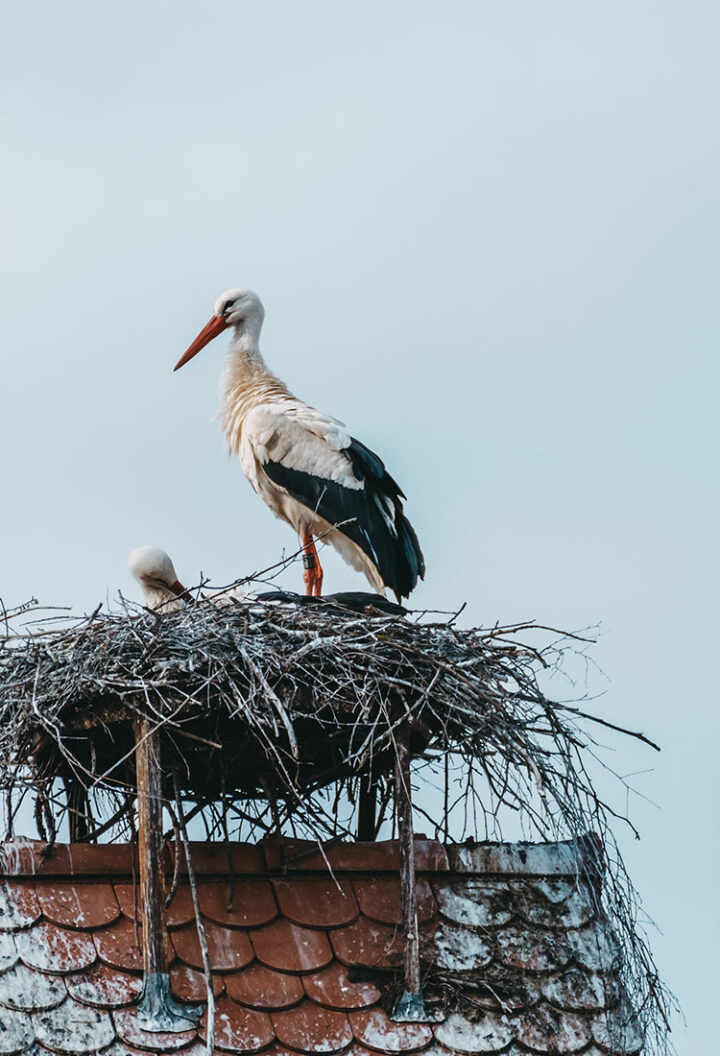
x,y
272,716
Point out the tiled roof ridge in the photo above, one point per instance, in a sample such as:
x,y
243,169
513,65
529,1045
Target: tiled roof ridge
x,y
279,855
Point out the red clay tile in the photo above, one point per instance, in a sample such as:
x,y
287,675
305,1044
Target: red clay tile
x,y
229,949
380,856
32,858
104,987
380,899
77,904
332,988
188,984
310,1029
260,987
369,944
19,906
52,949
374,1029
213,859
131,1031
289,948
253,903
179,912
120,945
318,902
240,1029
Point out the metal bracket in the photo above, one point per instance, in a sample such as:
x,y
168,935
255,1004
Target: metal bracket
x,y
410,1008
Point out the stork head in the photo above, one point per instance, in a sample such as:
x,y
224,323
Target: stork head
x,y
239,308
155,573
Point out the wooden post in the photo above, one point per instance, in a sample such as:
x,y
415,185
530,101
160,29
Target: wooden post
x,y
158,1011
410,1007
367,807
78,806
150,846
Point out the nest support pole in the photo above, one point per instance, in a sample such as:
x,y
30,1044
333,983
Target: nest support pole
x,y
367,807
410,1008
158,1011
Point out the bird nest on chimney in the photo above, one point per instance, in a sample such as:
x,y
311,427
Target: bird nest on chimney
x,y
276,717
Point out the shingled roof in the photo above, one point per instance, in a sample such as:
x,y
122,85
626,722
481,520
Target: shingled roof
x,y
516,957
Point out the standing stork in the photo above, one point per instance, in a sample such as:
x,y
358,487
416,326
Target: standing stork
x,y
305,465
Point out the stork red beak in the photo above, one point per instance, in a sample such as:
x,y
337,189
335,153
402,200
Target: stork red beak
x,y
178,588
216,326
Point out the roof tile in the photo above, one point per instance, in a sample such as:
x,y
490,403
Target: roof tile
x,y
456,949
78,905
130,1029
188,984
52,949
333,989
180,911
547,1029
572,911
252,905
379,856
318,902
240,1029
8,951
477,903
380,899
119,945
228,948
217,859
618,1031
260,987
290,948
19,907
30,991
532,951
592,948
576,990
104,987
491,1033
73,1028
16,1031
310,1029
373,1028
368,944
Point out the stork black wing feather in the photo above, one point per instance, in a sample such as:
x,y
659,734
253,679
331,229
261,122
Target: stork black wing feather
x,y
374,515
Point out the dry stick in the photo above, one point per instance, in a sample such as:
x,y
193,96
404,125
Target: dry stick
x,y
207,971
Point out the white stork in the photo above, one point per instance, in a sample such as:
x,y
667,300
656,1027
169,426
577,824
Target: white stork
x,y
155,573
163,592
305,465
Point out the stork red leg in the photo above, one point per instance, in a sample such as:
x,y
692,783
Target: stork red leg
x,y
313,574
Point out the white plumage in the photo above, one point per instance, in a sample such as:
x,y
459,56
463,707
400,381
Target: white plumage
x,y
305,465
155,573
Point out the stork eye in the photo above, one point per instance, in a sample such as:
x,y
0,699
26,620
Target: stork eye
x,y
227,307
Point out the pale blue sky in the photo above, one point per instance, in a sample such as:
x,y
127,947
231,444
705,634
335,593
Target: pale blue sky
x,y
486,236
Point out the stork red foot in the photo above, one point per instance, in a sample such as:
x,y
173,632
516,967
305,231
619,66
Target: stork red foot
x,y
313,574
